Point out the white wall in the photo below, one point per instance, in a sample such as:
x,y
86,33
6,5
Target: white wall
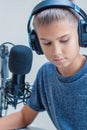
x,y
82,4
14,15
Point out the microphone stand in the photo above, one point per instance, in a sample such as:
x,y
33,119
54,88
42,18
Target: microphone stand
x,y
4,73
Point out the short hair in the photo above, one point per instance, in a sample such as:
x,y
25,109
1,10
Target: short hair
x,y
49,16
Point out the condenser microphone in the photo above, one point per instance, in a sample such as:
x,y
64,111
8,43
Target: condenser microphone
x,y
20,62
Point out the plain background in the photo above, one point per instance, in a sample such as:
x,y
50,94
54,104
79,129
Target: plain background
x,y
14,15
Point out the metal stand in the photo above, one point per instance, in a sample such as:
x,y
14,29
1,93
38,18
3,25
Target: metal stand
x,y
4,73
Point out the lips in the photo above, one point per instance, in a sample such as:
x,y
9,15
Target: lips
x,y
59,60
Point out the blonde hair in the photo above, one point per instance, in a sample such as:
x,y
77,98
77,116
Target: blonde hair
x,y
49,16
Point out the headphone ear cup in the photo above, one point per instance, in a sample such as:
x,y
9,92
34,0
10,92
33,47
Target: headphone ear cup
x,y
82,32
34,42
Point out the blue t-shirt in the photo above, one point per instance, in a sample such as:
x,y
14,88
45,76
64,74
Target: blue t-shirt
x,y
64,98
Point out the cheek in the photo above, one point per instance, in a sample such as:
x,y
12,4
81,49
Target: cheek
x,y
47,53
46,50
73,51
73,47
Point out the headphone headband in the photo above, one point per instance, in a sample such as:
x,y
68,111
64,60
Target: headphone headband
x,y
46,4
51,4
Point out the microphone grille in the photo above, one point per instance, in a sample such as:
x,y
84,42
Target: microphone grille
x,y
20,59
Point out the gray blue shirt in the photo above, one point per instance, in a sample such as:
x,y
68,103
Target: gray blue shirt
x,y
64,98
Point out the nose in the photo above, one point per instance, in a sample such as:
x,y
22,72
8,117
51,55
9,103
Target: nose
x,y
56,49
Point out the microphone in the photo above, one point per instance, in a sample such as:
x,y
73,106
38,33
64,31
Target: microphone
x,y
20,62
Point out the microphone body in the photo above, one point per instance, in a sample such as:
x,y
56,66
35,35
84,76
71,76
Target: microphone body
x,y
20,62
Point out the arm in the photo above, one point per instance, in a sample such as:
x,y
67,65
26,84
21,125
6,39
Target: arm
x,y
19,119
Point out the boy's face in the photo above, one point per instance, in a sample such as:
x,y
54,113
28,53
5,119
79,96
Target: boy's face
x,y
59,42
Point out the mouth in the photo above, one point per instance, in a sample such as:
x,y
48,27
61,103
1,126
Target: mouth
x,y
59,60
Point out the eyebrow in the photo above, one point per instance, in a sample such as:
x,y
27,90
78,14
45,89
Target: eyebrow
x,y
56,38
44,39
